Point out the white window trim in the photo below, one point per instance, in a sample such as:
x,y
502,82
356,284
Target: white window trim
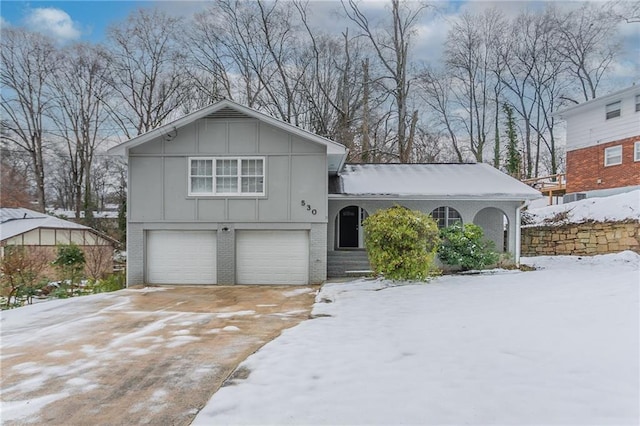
x,y
637,103
617,110
607,161
636,151
213,192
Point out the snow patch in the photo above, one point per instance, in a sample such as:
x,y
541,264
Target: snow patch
x,y
235,314
59,353
174,342
231,328
298,292
19,410
615,208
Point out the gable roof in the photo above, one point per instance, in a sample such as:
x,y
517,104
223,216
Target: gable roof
x,y
429,181
230,109
16,221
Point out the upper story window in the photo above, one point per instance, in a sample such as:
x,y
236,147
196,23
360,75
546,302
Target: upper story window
x,y
636,151
613,110
613,155
226,176
637,103
446,216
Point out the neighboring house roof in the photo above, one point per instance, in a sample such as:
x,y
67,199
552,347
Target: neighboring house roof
x,y
20,220
428,181
228,109
602,100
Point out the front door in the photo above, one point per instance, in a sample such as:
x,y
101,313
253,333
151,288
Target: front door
x,y
349,227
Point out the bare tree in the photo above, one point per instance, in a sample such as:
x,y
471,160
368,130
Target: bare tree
x,y
81,86
436,91
588,44
147,70
25,73
14,183
391,45
470,58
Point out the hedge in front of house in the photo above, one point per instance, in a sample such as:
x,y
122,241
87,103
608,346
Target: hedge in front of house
x,y
402,244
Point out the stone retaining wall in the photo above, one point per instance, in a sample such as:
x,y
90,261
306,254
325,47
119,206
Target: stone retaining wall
x,y
581,239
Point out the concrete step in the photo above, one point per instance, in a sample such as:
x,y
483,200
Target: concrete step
x,y
347,263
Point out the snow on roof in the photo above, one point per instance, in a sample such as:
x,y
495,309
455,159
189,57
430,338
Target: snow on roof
x,y
20,220
462,181
615,208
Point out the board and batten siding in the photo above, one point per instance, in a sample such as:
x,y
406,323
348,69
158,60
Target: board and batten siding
x,y
588,126
295,171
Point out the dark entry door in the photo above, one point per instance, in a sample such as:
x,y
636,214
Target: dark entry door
x,y
349,224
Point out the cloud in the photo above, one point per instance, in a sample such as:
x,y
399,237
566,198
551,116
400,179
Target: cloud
x,y
4,23
53,22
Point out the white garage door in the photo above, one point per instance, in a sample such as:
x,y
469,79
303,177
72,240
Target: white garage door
x,y
272,257
181,257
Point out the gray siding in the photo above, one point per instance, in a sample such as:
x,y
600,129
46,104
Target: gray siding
x,y
295,171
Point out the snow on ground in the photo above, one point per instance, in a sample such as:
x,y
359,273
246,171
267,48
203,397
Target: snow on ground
x,y
625,206
558,345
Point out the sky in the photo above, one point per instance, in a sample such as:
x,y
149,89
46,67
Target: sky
x,y
87,20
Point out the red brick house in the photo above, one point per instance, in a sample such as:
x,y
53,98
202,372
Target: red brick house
x,y
603,144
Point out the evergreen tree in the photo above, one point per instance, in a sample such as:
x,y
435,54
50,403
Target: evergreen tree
x,y
513,154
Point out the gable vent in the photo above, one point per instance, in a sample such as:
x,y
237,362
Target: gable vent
x,y
227,113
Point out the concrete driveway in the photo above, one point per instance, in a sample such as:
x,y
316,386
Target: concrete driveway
x,y
138,356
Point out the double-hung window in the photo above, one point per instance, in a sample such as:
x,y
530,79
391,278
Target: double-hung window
x,y
637,103
226,176
613,155
636,151
613,110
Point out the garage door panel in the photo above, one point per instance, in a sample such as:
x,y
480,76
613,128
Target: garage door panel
x,y
181,257
272,257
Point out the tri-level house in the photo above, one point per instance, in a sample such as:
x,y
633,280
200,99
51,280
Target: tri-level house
x,y
603,144
228,195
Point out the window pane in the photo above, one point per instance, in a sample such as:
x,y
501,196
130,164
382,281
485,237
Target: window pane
x,y
453,216
201,185
252,185
226,185
613,110
439,216
226,167
201,176
636,151
613,156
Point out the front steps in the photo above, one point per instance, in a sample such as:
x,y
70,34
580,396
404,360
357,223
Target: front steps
x,y
347,263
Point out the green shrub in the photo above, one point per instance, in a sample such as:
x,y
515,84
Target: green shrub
x,y
112,282
70,262
402,243
462,245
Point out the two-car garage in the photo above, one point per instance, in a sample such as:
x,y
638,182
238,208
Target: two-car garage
x,y
261,256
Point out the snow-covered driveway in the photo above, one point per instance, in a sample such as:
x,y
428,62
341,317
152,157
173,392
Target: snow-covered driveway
x,y
556,346
146,356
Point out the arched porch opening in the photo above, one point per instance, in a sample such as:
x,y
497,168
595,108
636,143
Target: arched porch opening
x,y
495,224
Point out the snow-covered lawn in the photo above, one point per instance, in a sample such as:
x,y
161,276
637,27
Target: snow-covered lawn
x,y
559,345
